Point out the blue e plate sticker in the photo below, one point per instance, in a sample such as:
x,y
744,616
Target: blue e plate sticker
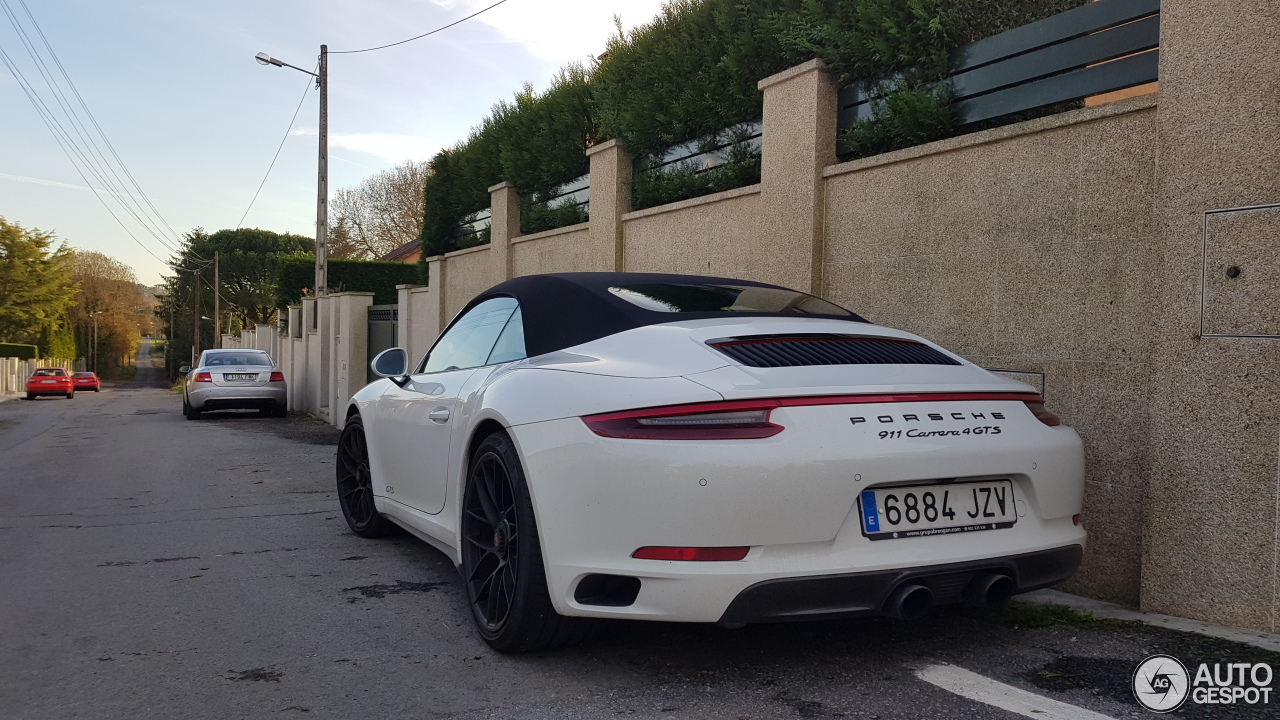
x,y
870,518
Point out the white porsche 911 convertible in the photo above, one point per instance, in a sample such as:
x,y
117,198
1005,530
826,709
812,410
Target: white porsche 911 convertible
x,y
699,449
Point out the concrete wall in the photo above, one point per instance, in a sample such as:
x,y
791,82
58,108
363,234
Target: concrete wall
x,y
554,251
692,236
1086,253
1028,248
468,274
1210,535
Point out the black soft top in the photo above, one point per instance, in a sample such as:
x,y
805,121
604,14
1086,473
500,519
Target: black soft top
x,y
562,310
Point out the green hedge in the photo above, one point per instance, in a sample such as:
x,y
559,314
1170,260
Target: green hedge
x,y
20,351
692,73
375,276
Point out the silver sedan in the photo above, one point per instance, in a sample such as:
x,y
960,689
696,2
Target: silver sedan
x,y
234,379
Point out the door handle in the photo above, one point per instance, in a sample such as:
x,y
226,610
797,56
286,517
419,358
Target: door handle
x,y
439,415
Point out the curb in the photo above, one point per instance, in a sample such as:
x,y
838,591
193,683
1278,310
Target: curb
x,y
1111,611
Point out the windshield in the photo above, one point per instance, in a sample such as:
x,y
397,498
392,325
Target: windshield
x,y
236,358
674,298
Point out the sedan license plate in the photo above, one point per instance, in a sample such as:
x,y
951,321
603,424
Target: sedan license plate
x,y
49,382
922,510
240,376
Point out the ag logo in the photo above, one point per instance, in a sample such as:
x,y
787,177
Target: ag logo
x,y
1161,683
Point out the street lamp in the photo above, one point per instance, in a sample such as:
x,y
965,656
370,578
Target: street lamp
x,y
322,182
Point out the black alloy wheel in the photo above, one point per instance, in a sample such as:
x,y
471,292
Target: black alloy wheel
x,y
355,483
502,567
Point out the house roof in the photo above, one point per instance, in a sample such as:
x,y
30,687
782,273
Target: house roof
x,y
403,252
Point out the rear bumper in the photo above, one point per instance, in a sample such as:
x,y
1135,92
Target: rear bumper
x,y
824,597
50,391
238,398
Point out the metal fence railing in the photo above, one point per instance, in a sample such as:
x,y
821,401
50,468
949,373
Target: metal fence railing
x,y
707,153
575,193
1096,48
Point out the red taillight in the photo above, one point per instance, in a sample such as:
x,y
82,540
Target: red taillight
x,y
692,554
204,377
277,377
1037,408
733,420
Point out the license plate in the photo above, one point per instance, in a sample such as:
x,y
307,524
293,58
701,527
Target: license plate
x,y
240,376
923,510
48,382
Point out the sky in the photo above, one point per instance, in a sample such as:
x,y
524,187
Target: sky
x,y
196,121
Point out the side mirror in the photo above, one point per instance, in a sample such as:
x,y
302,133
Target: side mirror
x,y
184,369
393,363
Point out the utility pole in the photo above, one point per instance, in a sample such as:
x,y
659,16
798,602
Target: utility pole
x,y
322,190
195,346
217,304
322,183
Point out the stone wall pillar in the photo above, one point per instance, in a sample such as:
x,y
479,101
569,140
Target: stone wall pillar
x,y
610,200
350,350
504,209
1210,528
799,141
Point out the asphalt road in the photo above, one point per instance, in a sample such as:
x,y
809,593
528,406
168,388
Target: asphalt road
x,y
159,568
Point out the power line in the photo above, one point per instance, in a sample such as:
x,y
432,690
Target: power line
x,y
49,123
278,149
92,160
93,156
94,120
419,37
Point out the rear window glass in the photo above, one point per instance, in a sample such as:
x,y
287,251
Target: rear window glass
x,y
84,374
223,359
50,372
676,298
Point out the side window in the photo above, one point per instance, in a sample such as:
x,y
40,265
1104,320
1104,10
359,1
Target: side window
x,y
468,343
510,345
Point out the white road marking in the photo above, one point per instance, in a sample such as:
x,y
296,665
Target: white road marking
x,y
1006,697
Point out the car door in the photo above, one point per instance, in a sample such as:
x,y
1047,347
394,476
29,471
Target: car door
x,y
413,423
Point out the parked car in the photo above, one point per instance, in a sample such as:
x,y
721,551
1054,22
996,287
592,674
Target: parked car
x,y
234,379
50,381
699,449
86,381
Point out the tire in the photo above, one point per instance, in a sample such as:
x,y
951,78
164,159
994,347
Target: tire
x,y
502,568
71,395
30,396
96,389
187,411
355,484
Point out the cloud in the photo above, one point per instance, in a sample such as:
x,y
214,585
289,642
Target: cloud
x,y
38,181
575,30
388,146
55,183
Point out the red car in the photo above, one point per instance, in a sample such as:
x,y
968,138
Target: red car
x,y
86,381
50,381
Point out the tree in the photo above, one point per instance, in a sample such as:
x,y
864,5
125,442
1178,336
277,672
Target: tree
x,y
249,267
380,214
110,298
36,287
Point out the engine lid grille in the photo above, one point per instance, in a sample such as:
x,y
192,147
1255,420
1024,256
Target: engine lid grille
x,y
801,350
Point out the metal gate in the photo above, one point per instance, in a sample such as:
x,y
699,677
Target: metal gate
x,y
384,322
